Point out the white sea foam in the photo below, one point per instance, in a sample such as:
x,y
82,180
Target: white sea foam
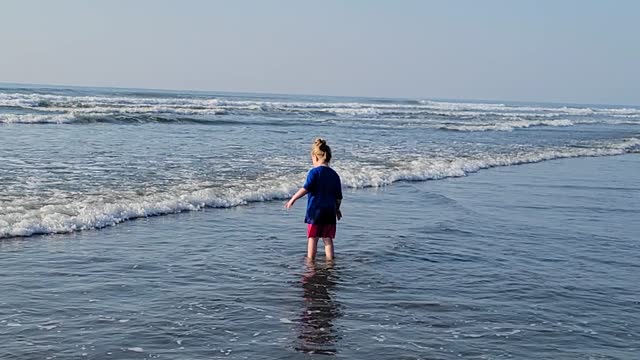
x,y
510,125
433,169
99,211
36,118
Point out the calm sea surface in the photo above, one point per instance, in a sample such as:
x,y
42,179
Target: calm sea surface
x,y
523,262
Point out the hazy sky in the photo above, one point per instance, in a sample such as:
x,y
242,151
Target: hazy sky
x,y
579,51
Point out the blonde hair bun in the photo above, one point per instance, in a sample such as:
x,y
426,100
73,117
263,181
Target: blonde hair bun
x,y
321,149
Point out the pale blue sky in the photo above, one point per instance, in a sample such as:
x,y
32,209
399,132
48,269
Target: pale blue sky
x,y
581,51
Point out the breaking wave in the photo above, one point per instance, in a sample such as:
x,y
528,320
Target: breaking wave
x,y
22,218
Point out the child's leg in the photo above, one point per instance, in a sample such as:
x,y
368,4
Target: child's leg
x,y
328,248
312,248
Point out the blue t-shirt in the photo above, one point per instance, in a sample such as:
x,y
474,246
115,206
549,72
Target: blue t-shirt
x,y
324,187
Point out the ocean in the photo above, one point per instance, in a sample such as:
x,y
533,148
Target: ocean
x,y
150,224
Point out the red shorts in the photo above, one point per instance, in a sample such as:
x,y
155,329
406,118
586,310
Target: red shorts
x,y
321,231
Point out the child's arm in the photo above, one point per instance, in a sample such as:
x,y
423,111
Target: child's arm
x,y
338,212
300,193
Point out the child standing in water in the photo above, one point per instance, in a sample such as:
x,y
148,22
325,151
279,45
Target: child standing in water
x,y
323,203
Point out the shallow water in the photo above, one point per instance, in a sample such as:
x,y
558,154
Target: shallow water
x,y
526,262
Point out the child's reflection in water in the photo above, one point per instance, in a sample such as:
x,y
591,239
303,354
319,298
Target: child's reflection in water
x,y
317,333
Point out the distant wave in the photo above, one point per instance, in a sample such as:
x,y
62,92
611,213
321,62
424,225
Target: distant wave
x,y
97,211
80,118
140,117
65,108
510,125
36,118
112,115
